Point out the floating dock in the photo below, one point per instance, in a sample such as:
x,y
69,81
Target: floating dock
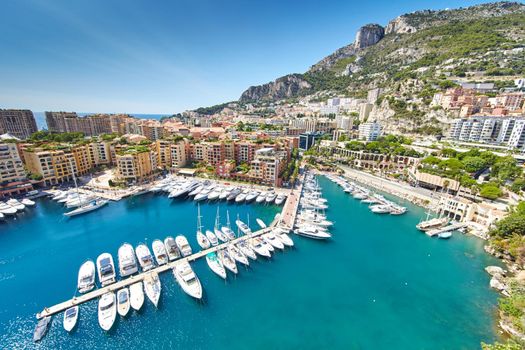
x,y
452,227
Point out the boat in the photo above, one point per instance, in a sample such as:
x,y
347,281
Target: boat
x,y
86,208
267,245
213,195
196,191
226,230
171,248
270,197
247,250
86,277
2,216
28,202
212,238
445,235
432,224
107,311
79,201
260,223
152,287
202,195
41,328
159,251
280,199
15,204
251,196
188,280
225,193
241,197
287,240
215,265
233,194
70,318
136,296
126,260
257,245
380,209
183,245
398,210
7,209
202,239
237,254
227,260
243,227
144,257
312,232
273,240
58,195
261,198
106,269
217,231
123,303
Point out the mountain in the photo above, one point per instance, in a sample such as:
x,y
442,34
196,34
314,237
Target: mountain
x,y
487,38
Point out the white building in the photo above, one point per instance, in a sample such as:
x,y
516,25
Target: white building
x,y
369,131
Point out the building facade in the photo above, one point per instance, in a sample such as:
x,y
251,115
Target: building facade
x,y
17,122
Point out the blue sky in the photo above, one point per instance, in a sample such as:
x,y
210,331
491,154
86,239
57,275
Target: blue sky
x,y
140,56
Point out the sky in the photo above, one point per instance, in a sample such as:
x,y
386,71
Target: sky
x,y
141,56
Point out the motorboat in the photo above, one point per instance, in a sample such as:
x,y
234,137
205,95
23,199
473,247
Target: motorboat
x,y
445,235
41,328
251,196
188,280
215,265
261,197
2,216
233,194
287,240
15,204
28,202
159,251
196,191
86,208
212,238
86,277
360,195
144,257
215,194
237,254
183,245
79,201
107,311
268,246
432,224
202,239
245,248
126,260
243,227
136,296
106,269
227,260
259,248
202,195
217,231
270,197
273,240
171,248
280,199
123,302
228,233
398,210
225,193
7,209
380,209
260,223
70,318
152,287
58,195
312,232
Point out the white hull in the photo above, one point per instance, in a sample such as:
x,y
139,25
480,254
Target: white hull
x,y
123,302
215,265
107,311
136,297
70,318
152,287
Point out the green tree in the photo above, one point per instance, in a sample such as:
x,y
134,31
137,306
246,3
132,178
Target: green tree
x,y
490,191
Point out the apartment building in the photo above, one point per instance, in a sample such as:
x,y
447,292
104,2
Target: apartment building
x,y
19,123
90,125
267,166
171,154
13,179
54,165
509,131
136,163
369,131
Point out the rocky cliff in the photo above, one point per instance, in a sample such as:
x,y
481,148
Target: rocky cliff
x,y
368,35
284,87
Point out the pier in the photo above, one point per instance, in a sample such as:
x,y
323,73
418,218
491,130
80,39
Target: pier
x,y
451,227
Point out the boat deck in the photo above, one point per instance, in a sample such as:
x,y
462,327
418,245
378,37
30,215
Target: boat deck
x,y
452,227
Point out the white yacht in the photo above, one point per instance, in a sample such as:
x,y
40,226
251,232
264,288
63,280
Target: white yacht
x,y
78,201
280,199
260,223
28,202
212,238
202,195
159,251
241,197
251,196
243,227
380,209
261,198
267,245
183,245
188,280
86,208
225,193
107,311
70,318
270,197
15,204
171,248
215,265
217,231
245,248
202,239
144,257
259,248
234,194
237,254
127,262
41,328
227,260
213,195
7,209
106,269
313,232
152,287
273,240
287,240
196,191
228,233
136,296
123,303
86,277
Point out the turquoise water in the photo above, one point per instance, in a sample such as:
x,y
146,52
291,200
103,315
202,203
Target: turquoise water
x,y
379,284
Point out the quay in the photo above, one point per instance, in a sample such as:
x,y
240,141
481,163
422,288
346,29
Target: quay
x,y
451,227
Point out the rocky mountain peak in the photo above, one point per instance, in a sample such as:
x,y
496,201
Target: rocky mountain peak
x,y
368,35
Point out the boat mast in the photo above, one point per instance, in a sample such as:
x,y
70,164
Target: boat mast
x,y
217,219
199,225
74,177
228,219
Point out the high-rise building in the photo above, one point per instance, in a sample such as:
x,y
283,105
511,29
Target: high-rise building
x,y
17,122
369,131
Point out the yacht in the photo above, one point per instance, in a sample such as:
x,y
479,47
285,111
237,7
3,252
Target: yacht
x,y
152,287
70,318
86,208
259,248
27,202
183,245
227,260
127,262
267,245
273,240
432,224
398,210
212,238
144,257
261,198
380,209
233,194
188,280
215,265
202,239
136,296
196,191
313,232
202,195
123,303
171,248
41,328
445,235
247,250
106,269
86,277
280,199
237,254
107,311
243,227
225,193
217,231
251,196
260,223
242,196
270,198
360,195
15,204
2,216
58,195
228,232
159,251
79,201
215,194
7,209
287,240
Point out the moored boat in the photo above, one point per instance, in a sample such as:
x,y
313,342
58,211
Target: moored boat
x,y
237,254
245,248
86,277
107,311
106,269
258,246
41,328
227,260
15,204
152,287
136,296
260,223
171,248
86,208
159,251
215,265
28,202
280,199
144,257
127,262
212,238
243,227
70,318
123,302
273,240
183,245
188,280
312,232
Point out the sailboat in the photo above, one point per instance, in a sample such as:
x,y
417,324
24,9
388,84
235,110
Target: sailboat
x,y
220,235
203,241
227,230
87,207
